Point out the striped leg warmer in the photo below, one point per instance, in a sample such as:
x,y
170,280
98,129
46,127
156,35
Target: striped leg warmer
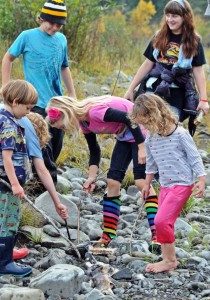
x,y
151,206
111,212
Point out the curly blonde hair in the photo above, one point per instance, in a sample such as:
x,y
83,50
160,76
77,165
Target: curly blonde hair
x,y
41,128
154,113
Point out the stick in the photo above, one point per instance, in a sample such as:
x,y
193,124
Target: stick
x,y
78,223
134,225
67,229
46,218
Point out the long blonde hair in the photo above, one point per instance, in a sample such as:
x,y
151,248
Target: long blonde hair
x,y
73,110
154,113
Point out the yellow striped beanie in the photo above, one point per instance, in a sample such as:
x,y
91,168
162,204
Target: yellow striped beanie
x,y
54,11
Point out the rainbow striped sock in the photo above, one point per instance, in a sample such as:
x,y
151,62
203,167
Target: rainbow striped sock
x,y
151,207
111,212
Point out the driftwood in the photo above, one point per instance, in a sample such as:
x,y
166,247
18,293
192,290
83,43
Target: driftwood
x,y
101,276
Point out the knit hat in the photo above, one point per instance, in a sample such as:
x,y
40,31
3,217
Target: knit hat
x,y
54,11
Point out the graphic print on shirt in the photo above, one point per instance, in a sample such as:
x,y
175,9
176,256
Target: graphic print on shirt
x,y
171,55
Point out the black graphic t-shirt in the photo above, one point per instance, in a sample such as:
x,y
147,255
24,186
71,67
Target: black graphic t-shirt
x,y
169,58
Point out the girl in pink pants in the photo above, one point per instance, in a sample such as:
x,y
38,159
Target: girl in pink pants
x,y
172,153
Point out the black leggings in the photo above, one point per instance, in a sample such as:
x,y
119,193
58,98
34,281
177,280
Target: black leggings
x,y
122,155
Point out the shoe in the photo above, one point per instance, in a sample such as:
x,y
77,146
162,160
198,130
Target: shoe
x,y
155,247
15,269
20,253
101,243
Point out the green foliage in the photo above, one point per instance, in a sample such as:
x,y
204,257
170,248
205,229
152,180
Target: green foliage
x,y
82,14
115,35
128,180
36,237
189,205
29,216
74,152
17,16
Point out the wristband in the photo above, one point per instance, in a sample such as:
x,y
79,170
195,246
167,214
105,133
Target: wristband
x,y
203,100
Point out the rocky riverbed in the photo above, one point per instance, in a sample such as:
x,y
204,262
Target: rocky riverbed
x,y
59,274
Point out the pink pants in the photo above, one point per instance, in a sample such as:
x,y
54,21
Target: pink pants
x,y
170,203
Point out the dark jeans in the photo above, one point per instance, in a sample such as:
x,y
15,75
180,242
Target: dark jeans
x,y
52,150
122,155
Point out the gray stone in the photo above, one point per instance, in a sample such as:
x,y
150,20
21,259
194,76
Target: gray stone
x,y
73,172
45,203
137,266
21,293
123,274
206,239
182,253
126,209
198,217
45,239
77,186
74,235
205,254
94,295
62,279
63,185
51,231
182,227
92,228
132,190
55,256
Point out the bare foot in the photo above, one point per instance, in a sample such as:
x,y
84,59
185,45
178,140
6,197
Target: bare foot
x,y
162,266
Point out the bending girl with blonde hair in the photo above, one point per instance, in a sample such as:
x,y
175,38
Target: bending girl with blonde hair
x,y
172,152
107,114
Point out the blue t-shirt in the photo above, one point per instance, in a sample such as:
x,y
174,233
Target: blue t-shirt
x,y
12,137
44,56
32,141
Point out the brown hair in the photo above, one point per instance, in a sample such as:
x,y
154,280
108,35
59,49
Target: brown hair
x,y
154,113
41,128
21,91
190,38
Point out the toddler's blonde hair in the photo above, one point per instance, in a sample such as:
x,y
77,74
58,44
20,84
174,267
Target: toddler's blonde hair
x,y
41,128
154,113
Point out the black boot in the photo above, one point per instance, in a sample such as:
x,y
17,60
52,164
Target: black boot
x,y
7,265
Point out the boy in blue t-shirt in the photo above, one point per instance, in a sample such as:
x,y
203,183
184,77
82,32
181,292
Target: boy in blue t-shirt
x,y
19,96
45,63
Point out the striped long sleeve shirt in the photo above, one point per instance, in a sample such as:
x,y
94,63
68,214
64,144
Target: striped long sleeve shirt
x,y
175,157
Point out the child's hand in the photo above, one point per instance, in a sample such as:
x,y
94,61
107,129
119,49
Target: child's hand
x,y
199,189
89,185
129,95
145,191
62,210
18,191
141,154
